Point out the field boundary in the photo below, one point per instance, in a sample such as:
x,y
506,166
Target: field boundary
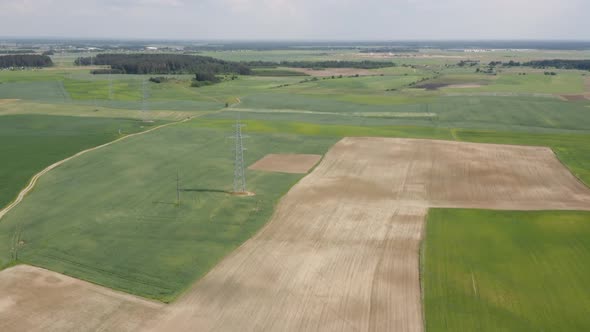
x,y
31,185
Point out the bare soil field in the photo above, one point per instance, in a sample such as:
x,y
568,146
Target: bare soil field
x,y
286,163
576,97
34,299
585,96
341,252
6,101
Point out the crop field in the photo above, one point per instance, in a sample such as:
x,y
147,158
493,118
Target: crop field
x,y
506,271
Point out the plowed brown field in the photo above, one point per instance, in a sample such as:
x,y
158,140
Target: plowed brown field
x,y
341,251
34,299
287,163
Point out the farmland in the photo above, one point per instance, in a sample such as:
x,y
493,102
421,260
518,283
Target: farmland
x,y
152,215
154,252
497,270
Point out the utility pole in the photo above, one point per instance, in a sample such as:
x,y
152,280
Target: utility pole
x,y
177,189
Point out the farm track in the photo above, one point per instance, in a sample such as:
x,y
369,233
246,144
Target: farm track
x,y
341,252
36,177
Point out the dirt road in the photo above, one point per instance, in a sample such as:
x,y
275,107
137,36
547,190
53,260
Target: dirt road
x,y
341,251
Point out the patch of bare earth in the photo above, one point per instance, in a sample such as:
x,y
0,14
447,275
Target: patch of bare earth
x,y
34,299
341,251
585,96
286,163
574,97
7,101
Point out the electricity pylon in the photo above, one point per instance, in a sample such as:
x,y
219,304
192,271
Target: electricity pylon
x,y
239,173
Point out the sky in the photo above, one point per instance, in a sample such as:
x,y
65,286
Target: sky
x,y
297,19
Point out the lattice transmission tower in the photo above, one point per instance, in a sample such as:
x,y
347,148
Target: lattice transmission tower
x,y
239,173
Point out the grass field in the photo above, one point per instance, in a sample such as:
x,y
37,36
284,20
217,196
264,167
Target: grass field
x,y
111,216
29,143
506,271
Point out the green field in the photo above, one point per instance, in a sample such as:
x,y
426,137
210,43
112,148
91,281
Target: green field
x,y
29,143
506,271
111,216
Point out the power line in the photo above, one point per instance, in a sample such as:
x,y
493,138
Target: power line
x,y
177,189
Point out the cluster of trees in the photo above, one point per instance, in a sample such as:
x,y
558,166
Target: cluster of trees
x,y
560,64
158,79
470,63
205,78
106,71
164,64
323,64
25,60
557,63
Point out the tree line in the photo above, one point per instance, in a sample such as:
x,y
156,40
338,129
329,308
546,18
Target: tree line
x,y
17,51
163,64
556,63
25,60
